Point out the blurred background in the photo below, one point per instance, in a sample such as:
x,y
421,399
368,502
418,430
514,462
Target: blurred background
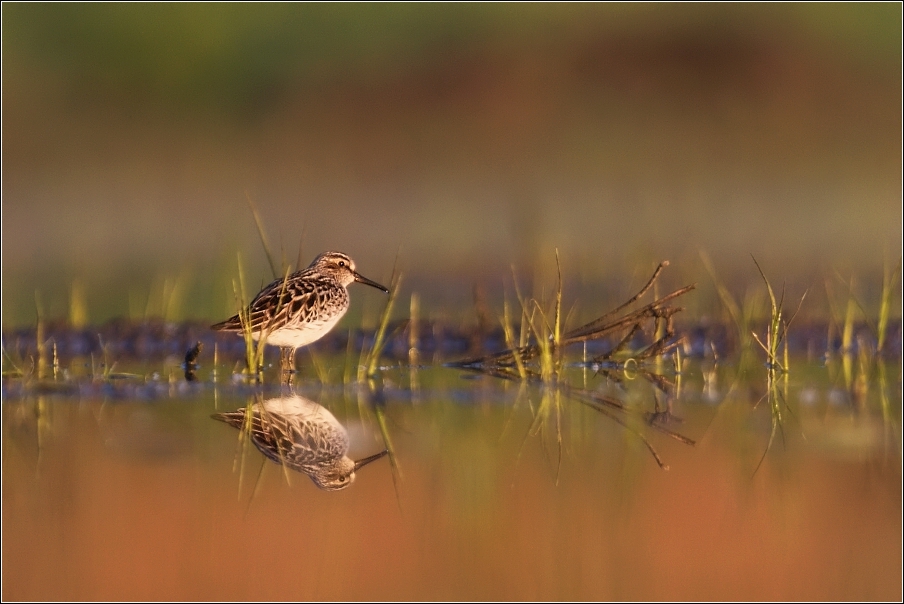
x,y
455,140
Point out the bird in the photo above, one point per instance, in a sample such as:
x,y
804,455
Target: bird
x,y
300,308
302,435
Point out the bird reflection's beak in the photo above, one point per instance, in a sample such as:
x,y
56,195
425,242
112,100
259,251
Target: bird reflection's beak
x,y
362,279
361,463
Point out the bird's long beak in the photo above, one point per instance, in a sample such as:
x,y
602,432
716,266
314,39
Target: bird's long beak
x,y
362,279
363,462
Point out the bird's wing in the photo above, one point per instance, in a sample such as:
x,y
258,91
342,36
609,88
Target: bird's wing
x,y
276,305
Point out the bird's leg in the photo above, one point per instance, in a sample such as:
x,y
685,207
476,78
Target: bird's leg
x,y
287,364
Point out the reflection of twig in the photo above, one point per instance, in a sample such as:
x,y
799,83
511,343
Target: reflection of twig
x,y
622,422
606,405
595,399
776,399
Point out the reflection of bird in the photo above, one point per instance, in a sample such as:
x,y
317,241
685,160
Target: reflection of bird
x,y
302,307
304,436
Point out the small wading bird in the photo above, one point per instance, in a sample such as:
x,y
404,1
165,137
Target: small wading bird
x,y
301,308
303,436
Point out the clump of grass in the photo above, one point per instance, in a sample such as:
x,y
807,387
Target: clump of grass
x,y
254,349
879,329
550,340
777,370
867,350
244,445
777,329
510,340
549,337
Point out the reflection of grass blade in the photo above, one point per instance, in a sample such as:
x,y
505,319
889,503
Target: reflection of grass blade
x,y
558,407
773,395
238,464
885,405
519,396
387,442
245,449
550,402
365,401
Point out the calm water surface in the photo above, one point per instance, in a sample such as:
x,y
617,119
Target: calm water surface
x,y
495,490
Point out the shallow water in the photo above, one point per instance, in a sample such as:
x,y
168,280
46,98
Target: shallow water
x,y
495,490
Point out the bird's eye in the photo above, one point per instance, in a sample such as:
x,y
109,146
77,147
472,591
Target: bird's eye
x,y
342,264
343,478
